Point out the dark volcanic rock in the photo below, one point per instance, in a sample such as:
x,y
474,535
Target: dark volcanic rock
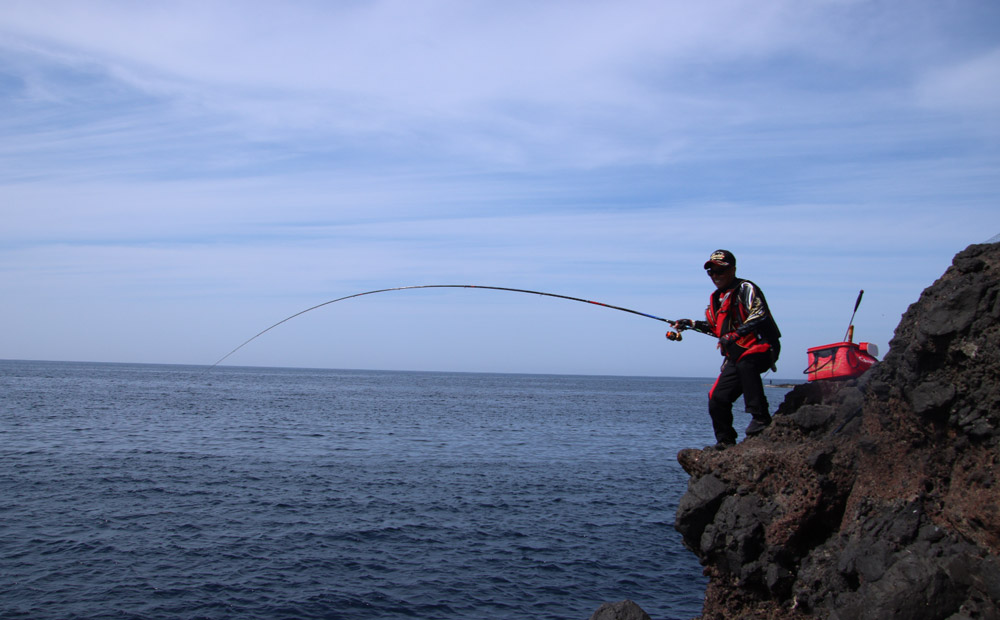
x,y
622,610
875,497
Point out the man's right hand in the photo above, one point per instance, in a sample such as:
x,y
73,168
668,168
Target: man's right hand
x,y
684,324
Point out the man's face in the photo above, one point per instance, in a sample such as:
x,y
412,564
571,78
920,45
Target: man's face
x,y
722,277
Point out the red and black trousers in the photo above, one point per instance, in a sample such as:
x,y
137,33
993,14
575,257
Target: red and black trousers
x,y
740,378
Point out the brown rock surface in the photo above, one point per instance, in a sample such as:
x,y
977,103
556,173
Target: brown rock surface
x,y
874,497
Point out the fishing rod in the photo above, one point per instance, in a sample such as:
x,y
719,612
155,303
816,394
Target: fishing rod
x,y
849,335
670,335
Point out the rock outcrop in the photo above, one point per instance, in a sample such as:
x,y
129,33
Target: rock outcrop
x,y
875,497
622,610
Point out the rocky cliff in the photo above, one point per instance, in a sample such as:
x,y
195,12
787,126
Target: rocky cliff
x,y
875,497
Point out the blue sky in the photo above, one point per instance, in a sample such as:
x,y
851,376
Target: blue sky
x,y
177,176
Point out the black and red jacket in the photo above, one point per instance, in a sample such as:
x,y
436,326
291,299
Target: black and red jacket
x,y
743,309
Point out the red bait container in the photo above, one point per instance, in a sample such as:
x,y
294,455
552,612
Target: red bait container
x,y
840,360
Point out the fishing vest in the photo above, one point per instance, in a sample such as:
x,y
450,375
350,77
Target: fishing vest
x,y
726,313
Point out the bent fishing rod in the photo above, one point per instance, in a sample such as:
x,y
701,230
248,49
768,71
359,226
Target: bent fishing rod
x,y
675,336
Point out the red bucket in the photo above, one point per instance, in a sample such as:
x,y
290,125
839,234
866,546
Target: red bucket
x,y
840,360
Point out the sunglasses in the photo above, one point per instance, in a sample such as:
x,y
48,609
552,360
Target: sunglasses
x,y
716,271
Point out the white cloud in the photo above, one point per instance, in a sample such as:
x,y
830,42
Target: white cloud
x,y
972,84
394,64
518,85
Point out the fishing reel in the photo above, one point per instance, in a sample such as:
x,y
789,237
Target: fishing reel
x,y
676,336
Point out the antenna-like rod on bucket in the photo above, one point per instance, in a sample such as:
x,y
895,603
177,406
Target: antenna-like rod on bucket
x,y
849,337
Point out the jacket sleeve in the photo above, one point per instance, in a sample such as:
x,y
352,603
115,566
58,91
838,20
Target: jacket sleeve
x,y
756,310
707,326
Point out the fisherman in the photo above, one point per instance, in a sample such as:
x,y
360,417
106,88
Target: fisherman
x,y
738,316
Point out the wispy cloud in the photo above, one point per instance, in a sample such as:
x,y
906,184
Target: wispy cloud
x,y
972,84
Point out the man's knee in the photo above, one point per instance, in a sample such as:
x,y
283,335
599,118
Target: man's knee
x,y
720,402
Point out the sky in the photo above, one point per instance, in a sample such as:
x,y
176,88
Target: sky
x,y
176,177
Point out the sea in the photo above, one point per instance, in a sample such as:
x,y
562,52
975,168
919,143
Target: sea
x,y
154,491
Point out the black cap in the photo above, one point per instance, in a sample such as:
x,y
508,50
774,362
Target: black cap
x,y
721,258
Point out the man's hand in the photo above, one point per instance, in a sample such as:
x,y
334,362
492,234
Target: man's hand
x,y
728,339
684,324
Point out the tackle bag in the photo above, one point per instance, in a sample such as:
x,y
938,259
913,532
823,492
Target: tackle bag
x,y
840,360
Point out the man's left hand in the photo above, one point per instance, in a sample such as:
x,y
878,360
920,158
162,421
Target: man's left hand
x,y
727,339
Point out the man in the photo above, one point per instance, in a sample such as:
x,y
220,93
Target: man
x,y
738,316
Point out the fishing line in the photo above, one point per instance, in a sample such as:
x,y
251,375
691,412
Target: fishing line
x,y
405,288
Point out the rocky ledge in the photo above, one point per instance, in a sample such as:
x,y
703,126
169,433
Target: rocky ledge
x,y
874,497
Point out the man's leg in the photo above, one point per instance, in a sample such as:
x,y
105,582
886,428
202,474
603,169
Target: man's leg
x,y
721,397
749,369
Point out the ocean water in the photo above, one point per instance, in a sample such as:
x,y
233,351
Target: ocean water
x,y
144,491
